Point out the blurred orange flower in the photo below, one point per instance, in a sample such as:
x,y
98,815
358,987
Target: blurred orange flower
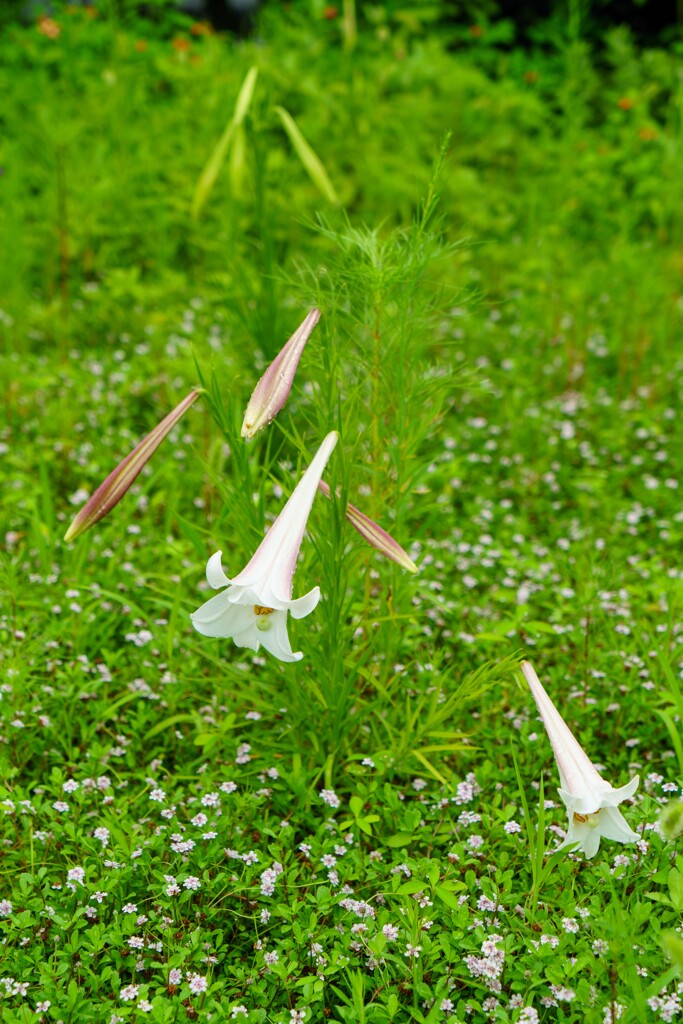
x,y
181,44
626,103
330,13
476,31
647,134
531,77
141,45
201,28
48,27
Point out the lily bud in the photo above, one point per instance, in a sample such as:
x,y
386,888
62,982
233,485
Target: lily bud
x,y
272,391
109,493
374,534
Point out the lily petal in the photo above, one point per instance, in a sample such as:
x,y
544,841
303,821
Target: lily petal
x,y
276,640
214,572
300,607
577,773
218,618
275,558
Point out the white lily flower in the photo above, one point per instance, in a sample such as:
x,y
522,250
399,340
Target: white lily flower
x,y
253,609
591,802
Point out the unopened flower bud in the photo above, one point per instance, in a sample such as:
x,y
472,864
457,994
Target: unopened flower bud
x,y
374,534
272,391
109,493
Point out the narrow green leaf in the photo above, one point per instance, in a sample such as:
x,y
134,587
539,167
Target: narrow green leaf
x,y
212,168
311,162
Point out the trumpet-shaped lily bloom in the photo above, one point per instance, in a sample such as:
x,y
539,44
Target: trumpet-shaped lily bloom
x,y
253,608
591,802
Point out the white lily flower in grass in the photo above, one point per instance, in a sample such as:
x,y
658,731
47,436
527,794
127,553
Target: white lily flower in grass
x,y
591,802
253,608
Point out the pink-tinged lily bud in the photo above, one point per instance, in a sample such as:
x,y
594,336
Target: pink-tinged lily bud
x,y
374,534
591,801
272,391
109,493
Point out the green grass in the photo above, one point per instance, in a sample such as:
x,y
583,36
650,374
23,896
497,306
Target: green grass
x,y
499,350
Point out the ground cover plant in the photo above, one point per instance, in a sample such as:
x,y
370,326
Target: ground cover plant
x,y
193,830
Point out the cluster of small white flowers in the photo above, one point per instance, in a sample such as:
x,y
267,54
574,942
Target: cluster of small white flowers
x,y
269,877
172,887
102,834
466,790
243,756
358,907
180,845
329,797
667,1006
75,875
14,987
198,984
490,965
563,995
